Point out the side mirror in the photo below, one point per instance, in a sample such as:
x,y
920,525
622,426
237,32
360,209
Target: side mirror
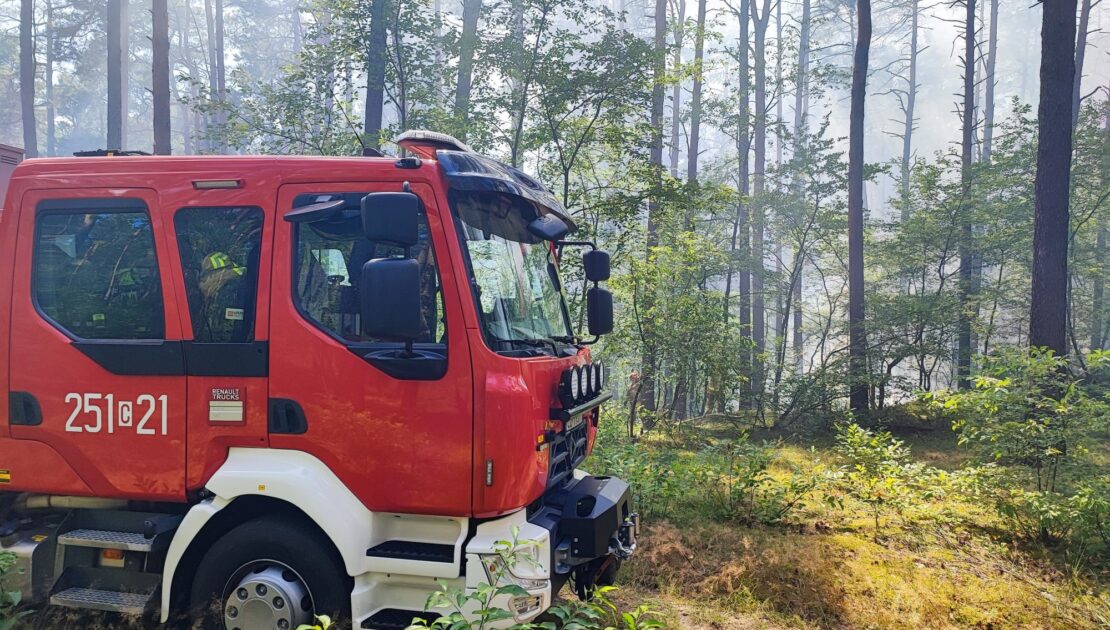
x,y
390,299
599,311
392,218
596,264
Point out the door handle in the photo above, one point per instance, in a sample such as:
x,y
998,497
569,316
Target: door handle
x,y
24,409
287,417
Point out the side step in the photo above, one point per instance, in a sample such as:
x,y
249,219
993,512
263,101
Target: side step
x,y
100,588
408,550
106,539
396,619
97,599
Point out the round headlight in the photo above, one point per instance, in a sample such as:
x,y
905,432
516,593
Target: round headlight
x,y
580,376
599,376
566,388
591,384
575,383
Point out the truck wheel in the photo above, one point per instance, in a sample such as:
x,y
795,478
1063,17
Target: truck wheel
x,y
598,572
269,573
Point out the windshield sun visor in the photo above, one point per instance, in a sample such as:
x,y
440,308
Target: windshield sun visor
x,y
470,172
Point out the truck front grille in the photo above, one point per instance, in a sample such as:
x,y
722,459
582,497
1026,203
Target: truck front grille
x,y
567,451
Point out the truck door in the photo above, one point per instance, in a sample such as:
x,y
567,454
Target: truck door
x,y
397,432
221,241
97,368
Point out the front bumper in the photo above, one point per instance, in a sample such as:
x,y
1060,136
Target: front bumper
x,y
581,521
587,518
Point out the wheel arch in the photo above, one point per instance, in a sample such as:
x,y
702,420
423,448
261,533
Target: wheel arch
x,y
258,482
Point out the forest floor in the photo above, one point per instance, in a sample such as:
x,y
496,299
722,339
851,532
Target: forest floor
x,y
830,568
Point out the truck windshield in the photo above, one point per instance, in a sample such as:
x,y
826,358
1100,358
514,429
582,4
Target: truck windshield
x,y
513,274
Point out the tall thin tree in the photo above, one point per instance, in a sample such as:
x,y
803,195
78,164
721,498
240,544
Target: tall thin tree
x,y
966,245
650,358
801,90
1048,301
1080,55
27,77
468,45
696,97
857,333
761,19
740,246
114,30
678,30
375,73
991,81
160,75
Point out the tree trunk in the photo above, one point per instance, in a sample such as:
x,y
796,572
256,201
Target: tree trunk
x,y
650,358
1080,54
1048,302
760,20
221,76
211,122
27,77
516,151
472,9
160,75
1098,315
741,230
988,98
801,87
375,74
857,335
48,81
909,108
967,255
695,97
114,30
678,29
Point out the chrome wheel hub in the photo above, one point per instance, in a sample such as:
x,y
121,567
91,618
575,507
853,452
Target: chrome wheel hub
x,y
267,596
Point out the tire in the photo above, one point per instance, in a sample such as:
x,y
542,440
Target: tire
x,y
270,548
598,572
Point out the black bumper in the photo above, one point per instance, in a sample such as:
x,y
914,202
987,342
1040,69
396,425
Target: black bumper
x,y
588,518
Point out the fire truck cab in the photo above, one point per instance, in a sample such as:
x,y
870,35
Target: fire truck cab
x,y
260,389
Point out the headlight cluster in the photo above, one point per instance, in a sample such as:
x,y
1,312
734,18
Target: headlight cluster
x,y
582,383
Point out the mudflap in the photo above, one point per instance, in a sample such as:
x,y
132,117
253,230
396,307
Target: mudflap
x,y
593,529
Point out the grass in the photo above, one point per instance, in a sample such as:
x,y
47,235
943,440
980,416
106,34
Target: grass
x,y
944,563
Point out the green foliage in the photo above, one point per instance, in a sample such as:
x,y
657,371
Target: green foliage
x,y
1026,409
323,622
879,472
740,486
723,479
10,612
480,609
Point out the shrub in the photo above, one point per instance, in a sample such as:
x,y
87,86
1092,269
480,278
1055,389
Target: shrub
x,y
1026,409
741,488
879,472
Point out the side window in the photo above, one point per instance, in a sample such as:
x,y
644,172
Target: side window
x,y
95,274
219,250
329,255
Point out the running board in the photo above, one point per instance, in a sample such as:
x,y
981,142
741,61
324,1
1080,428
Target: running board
x,y
409,550
106,539
396,619
101,588
99,599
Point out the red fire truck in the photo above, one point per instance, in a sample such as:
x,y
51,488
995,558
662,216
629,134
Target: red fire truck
x,y
259,389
